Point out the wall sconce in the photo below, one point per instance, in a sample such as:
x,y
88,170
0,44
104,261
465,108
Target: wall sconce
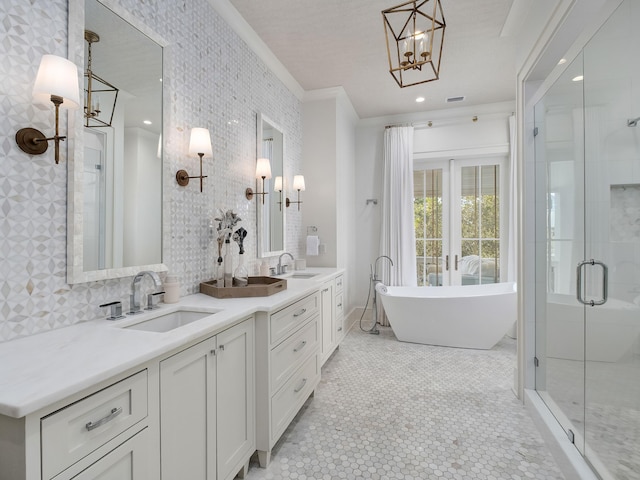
x,y
263,170
278,188
57,80
298,184
199,144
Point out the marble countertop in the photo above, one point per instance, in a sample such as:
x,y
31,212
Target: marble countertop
x,y
39,370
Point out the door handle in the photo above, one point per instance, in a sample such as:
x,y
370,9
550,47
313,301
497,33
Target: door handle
x,y
446,262
456,262
605,283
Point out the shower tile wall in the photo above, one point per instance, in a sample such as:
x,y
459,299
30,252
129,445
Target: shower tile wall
x,y
625,213
214,80
624,227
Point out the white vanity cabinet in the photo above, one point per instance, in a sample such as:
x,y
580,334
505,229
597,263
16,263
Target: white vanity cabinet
x,y
207,407
287,368
339,323
326,318
332,316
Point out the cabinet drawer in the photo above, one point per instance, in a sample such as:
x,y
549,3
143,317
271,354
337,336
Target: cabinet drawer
x,y
74,431
288,319
288,400
339,305
128,461
289,355
339,281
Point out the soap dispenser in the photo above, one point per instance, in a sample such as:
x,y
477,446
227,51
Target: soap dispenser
x,y
171,289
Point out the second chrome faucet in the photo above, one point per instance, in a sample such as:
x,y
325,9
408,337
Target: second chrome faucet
x,y
281,269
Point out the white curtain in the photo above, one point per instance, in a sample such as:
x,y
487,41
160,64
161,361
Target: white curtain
x,y
398,239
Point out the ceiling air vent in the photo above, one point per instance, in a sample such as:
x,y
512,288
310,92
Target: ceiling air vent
x,y
454,99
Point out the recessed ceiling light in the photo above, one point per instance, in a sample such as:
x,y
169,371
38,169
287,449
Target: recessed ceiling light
x,y
562,61
579,78
420,99
147,122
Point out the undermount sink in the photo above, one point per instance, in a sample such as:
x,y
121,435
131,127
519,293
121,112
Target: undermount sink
x,y
304,275
169,321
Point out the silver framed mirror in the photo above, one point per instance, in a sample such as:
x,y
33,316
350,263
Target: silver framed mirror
x,y
271,214
114,208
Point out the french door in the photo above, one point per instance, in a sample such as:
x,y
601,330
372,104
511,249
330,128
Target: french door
x,y
458,223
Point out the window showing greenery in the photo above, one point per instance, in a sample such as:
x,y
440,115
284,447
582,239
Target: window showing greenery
x,y
478,234
427,209
480,218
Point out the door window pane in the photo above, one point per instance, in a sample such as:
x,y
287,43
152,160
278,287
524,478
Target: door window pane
x,y
480,223
427,208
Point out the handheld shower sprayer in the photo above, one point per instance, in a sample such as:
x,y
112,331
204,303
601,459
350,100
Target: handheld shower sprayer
x,y
373,281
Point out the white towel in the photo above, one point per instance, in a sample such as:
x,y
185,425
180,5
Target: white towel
x,y
313,245
382,288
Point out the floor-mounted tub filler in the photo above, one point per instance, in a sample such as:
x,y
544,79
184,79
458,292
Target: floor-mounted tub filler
x,y
469,316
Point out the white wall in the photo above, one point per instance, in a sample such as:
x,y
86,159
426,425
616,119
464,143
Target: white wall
x,y
319,165
347,234
328,158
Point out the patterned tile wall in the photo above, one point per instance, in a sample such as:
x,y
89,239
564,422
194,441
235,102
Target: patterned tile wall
x,y
214,81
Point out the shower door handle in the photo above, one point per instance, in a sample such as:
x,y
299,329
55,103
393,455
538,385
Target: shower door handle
x,y
446,263
605,283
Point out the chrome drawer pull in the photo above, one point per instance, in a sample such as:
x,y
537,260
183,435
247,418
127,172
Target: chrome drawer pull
x,y
304,382
301,312
300,347
114,413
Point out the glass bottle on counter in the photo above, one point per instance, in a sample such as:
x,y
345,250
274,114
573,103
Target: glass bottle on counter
x,y
241,276
228,264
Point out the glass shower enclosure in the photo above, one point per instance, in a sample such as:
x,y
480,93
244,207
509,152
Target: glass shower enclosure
x,y
587,153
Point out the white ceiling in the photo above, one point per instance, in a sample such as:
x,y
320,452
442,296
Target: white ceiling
x,y
332,43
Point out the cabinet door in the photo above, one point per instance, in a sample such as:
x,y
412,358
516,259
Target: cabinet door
x,y
326,315
126,462
235,398
187,413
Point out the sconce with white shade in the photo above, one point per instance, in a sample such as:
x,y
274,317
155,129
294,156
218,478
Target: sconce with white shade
x,y
298,184
263,170
199,144
277,186
56,81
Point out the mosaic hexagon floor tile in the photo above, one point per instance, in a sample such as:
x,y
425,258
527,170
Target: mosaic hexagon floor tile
x,y
391,410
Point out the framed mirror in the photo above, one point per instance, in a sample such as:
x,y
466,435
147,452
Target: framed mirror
x,y
115,169
272,213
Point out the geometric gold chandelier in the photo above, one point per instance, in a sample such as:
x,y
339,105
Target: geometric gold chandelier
x,y
415,34
100,95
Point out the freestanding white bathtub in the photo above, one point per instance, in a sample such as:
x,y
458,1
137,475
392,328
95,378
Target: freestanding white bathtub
x,y
469,316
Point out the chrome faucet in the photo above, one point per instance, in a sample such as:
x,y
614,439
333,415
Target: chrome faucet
x,y
375,272
280,269
135,289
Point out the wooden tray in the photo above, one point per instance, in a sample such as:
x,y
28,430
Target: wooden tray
x,y
258,287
